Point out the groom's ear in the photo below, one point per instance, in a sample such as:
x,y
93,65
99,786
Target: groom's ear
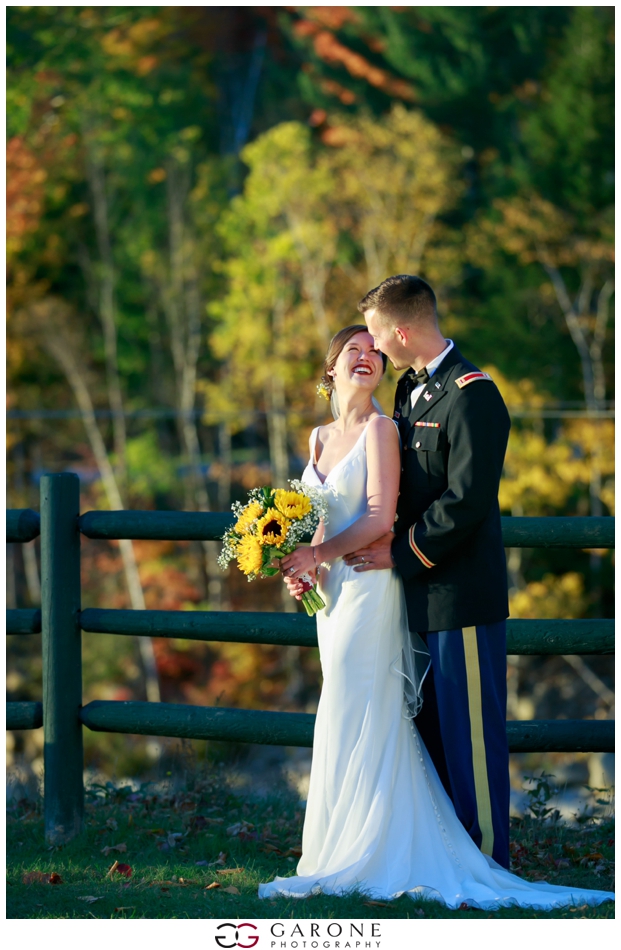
x,y
401,334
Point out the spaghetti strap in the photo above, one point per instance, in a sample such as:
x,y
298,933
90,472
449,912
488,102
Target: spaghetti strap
x,y
313,446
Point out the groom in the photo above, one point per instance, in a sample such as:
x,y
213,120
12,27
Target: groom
x,y
448,548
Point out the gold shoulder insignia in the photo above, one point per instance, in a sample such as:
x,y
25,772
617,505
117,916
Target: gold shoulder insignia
x,y
471,378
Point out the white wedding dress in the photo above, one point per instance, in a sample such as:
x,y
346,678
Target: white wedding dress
x,y
377,818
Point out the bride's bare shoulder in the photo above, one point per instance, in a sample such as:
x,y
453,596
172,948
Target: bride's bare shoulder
x,y
320,433
382,426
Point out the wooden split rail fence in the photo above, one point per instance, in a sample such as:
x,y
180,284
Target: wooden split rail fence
x,y
61,622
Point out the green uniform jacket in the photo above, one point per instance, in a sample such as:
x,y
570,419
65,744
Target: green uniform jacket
x,y
448,545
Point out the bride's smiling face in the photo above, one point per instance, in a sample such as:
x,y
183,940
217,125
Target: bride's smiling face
x,y
359,365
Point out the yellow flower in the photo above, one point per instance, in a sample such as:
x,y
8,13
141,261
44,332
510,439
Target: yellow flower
x,y
249,555
272,528
248,515
292,504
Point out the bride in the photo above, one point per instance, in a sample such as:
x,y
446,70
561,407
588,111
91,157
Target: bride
x,y
377,819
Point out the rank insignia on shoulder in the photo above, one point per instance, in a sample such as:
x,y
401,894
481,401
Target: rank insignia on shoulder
x,y
471,378
428,425
428,396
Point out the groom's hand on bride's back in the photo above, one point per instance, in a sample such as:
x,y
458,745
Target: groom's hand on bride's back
x,y
376,556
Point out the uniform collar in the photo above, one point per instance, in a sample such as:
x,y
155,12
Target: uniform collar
x,y
435,388
434,364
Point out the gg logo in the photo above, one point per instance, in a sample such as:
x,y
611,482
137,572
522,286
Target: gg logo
x,y
221,938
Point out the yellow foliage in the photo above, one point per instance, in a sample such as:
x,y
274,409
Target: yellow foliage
x,y
396,177
534,229
552,597
289,286
539,476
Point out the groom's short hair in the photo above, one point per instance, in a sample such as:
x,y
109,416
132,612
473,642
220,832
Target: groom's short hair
x,y
403,297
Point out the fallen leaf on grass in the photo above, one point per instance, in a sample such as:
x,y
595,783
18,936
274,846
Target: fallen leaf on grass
x,y
90,899
230,871
213,884
201,864
375,904
124,869
112,823
230,890
118,909
243,826
219,860
39,877
114,847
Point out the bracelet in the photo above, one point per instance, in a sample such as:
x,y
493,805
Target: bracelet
x,y
313,547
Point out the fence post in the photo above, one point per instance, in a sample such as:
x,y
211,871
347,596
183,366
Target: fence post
x,y
62,657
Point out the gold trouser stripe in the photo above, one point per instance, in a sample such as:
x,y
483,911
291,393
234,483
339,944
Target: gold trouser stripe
x,y
479,759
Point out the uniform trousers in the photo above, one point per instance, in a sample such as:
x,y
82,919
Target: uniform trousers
x,y
463,725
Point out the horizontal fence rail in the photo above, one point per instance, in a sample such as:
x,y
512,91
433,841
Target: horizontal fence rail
x,y
156,525
23,621
296,729
61,621
22,524
24,715
524,637
290,729
210,526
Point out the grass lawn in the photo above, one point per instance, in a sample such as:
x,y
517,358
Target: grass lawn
x,y
202,853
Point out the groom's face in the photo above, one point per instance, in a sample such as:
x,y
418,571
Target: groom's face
x,y
387,340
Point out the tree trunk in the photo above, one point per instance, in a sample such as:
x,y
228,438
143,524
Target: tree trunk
x,y
59,349
106,307
594,382
182,306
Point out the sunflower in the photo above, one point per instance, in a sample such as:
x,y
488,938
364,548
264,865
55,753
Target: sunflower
x,y
292,504
272,528
249,555
250,513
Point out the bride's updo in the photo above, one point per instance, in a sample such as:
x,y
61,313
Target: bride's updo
x,y
335,348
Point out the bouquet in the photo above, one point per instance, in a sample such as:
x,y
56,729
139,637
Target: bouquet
x,y
271,524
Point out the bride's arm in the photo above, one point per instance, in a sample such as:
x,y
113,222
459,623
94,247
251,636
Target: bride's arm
x,y
383,476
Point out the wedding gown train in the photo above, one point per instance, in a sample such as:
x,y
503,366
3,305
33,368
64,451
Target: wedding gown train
x,y
378,818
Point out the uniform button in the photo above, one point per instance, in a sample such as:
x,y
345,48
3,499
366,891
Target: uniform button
x,y
417,446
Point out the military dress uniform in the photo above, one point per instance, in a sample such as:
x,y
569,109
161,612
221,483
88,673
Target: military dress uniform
x,y
448,549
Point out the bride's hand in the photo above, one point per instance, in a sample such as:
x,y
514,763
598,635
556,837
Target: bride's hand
x,y
301,561
296,587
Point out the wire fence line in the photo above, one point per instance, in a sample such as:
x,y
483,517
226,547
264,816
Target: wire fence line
x,y
545,412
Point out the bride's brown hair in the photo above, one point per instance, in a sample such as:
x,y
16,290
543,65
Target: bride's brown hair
x,y
336,347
